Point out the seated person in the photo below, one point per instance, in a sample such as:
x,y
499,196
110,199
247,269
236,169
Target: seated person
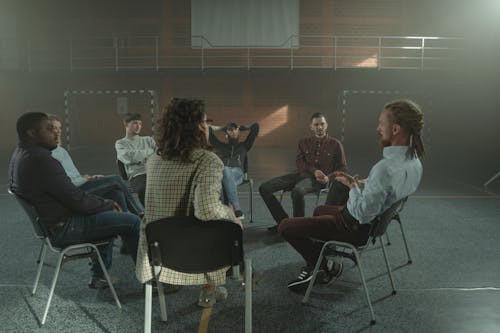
x,y
233,154
394,177
70,214
318,157
184,178
133,151
104,186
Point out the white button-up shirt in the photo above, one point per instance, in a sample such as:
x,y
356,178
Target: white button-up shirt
x,y
391,179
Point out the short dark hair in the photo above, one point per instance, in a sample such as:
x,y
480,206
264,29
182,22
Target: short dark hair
x,y
131,117
317,115
230,125
28,121
179,130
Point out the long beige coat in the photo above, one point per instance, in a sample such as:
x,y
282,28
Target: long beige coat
x,y
175,188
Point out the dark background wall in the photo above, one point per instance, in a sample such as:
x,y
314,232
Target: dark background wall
x,y
462,105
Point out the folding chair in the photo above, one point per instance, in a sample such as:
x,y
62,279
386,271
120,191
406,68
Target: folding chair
x,y
66,253
121,170
397,218
248,181
186,244
378,229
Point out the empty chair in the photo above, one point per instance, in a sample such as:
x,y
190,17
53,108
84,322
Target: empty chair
x,y
213,245
66,253
378,229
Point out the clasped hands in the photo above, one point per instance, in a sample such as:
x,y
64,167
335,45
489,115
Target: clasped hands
x,y
348,180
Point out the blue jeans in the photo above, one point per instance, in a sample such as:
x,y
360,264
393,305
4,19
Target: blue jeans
x,y
108,224
231,178
113,187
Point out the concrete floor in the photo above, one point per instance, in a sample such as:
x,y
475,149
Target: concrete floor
x,y
452,286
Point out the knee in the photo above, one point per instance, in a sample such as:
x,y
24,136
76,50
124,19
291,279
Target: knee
x,y
264,189
226,172
135,222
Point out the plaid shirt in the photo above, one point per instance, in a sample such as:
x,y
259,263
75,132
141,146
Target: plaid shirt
x,y
168,182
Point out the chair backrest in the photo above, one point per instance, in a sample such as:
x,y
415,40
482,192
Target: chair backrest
x,y
380,223
245,168
121,169
186,244
30,210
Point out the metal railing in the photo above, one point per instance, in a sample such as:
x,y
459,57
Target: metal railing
x,y
298,51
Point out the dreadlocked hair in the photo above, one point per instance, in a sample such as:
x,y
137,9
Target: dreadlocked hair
x,y
179,130
408,115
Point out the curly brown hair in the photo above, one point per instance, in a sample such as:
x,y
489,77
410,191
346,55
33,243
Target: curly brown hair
x,y
179,131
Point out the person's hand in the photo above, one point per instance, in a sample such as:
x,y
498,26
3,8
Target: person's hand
x,y
346,179
96,176
116,207
238,222
324,180
319,175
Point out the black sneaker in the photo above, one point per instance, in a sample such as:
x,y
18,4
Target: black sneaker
x,y
100,282
239,214
302,281
273,229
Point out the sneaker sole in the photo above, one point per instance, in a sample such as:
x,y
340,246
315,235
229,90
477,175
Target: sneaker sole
x,y
297,285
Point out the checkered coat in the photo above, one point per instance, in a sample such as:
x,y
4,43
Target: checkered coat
x,y
175,188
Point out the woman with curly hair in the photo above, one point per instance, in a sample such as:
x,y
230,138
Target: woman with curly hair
x,y
184,178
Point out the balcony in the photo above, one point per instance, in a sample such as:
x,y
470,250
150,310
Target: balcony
x,y
152,53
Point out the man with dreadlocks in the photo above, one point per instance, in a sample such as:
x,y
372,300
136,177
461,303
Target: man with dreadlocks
x,y
394,177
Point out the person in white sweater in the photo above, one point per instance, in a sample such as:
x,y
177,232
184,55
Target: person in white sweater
x,y
133,151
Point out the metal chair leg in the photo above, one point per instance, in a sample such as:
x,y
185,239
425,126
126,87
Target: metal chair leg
x,y
148,295
406,243
41,258
251,200
248,296
161,299
106,275
53,285
236,273
389,270
315,273
367,294
317,198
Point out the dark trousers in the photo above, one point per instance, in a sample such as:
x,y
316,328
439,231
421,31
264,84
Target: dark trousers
x,y
114,188
299,187
328,223
108,224
138,184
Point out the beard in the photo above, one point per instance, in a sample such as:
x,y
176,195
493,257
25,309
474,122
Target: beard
x,y
48,146
320,134
384,143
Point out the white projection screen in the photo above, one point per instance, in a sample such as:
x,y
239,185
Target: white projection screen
x,y
244,23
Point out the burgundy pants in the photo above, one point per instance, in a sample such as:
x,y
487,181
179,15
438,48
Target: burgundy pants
x,y
328,223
